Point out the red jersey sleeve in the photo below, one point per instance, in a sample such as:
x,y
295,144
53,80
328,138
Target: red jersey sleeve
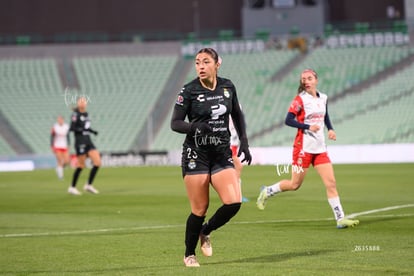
x,y
296,105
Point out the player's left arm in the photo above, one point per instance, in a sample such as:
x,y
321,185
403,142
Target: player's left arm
x,y
76,124
328,124
240,125
52,137
68,137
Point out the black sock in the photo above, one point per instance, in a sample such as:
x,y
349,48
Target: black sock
x,y
221,217
192,231
76,176
92,174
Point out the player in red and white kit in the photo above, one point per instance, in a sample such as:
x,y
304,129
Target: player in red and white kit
x,y
309,114
59,142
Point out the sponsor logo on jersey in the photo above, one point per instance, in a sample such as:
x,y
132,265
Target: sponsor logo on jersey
x,y
218,97
217,110
180,100
201,98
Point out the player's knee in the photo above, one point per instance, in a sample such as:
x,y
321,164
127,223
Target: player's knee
x,y
331,185
96,162
199,212
296,185
200,209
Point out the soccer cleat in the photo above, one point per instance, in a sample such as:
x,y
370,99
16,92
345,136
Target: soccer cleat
x,y
261,200
90,188
245,199
344,223
191,261
205,245
74,191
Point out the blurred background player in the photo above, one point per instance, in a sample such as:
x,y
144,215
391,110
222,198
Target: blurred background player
x,y
234,145
308,113
59,142
81,127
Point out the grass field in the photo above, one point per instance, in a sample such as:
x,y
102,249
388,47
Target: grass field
x,y
135,226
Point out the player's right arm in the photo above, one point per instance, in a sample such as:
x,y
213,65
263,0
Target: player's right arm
x,y
52,137
295,108
180,112
178,122
75,124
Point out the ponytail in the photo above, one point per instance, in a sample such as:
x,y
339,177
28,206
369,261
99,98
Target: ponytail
x,y
301,87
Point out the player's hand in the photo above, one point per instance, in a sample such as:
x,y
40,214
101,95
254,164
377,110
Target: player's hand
x,y
332,134
244,148
200,128
314,128
93,132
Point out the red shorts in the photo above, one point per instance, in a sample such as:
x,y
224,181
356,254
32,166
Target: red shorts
x,y
63,150
233,150
305,159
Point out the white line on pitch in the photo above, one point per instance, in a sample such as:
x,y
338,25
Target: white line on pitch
x,y
313,220
105,230
75,232
380,210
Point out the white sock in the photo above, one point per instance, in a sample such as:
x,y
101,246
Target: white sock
x,y
336,207
274,189
59,171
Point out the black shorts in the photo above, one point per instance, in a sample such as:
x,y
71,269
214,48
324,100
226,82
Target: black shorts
x,y
84,148
194,161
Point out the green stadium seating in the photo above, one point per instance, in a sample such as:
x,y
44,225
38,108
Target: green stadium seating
x,y
32,97
368,116
123,91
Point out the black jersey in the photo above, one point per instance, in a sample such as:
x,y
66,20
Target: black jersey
x,y
213,107
81,127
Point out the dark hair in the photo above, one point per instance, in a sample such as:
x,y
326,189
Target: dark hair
x,y
211,52
301,87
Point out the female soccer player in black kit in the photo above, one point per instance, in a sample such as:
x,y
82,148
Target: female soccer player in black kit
x,y
208,101
81,127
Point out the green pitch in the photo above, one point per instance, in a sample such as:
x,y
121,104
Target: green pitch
x,y
135,226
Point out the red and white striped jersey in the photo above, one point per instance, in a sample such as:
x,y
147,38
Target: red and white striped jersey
x,y
311,111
